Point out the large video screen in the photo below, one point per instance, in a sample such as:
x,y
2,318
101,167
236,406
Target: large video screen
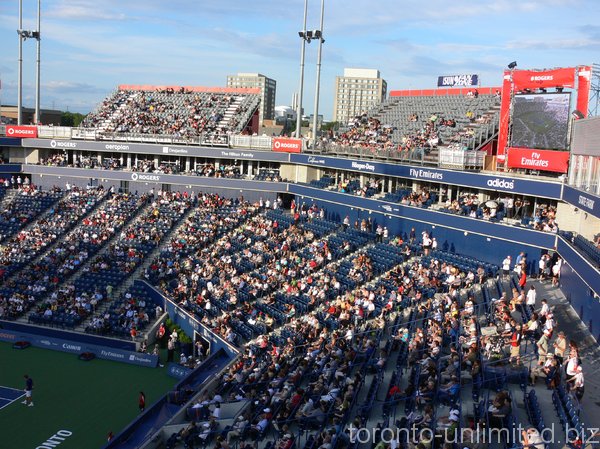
x,y
540,121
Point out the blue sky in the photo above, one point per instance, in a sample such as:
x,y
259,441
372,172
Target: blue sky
x,y
89,47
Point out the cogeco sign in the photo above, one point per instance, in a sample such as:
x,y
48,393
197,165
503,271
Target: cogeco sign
x,y
544,160
285,145
21,131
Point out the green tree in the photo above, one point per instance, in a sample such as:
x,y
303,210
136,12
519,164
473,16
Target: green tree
x,y
71,119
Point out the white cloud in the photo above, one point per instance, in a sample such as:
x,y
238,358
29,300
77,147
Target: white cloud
x,y
582,43
82,10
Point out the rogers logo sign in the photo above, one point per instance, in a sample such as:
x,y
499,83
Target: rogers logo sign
x,y
287,145
144,177
542,78
501,184
63,144
21,131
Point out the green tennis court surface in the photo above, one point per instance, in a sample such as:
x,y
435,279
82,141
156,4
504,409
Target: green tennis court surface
x,y
89,399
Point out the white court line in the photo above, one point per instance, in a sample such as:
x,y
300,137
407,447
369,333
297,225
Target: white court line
x,y
10,388
12,400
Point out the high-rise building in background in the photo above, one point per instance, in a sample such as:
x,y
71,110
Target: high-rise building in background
x,y
356,92
267,86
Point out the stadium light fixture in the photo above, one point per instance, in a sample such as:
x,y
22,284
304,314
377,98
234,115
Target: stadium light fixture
x,y
512,65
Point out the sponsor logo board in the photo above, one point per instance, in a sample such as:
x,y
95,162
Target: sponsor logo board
x,y
21,131
286,145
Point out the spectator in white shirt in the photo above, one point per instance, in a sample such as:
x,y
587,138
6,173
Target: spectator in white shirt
x,y
531,296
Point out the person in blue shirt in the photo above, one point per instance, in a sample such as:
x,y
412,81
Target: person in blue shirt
x,y
28,391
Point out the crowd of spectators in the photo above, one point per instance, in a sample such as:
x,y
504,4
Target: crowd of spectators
x,y
310,301
126,317
394,131
55,160
23,207
309,370
179,113
21,287
68,302
446,338
150,166
365,132
468,204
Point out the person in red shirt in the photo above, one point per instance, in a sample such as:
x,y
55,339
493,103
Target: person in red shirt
x,y
161,332
523,279
142,401
296,398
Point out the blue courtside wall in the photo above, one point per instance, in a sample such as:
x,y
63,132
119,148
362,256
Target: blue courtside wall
x,y
66,335
580,264
10,142
10,168
584,200
76,346
581,298
580,293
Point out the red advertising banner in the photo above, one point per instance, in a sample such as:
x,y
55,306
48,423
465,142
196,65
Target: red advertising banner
x,y
544,160
285,145
544,78
21,131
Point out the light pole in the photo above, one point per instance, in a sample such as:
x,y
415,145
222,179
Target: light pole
x,y
305,38
37,36
20,70
24,35
318,34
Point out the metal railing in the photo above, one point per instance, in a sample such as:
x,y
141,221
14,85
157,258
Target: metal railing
x,y
55,132
459,158
415,156
252,142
